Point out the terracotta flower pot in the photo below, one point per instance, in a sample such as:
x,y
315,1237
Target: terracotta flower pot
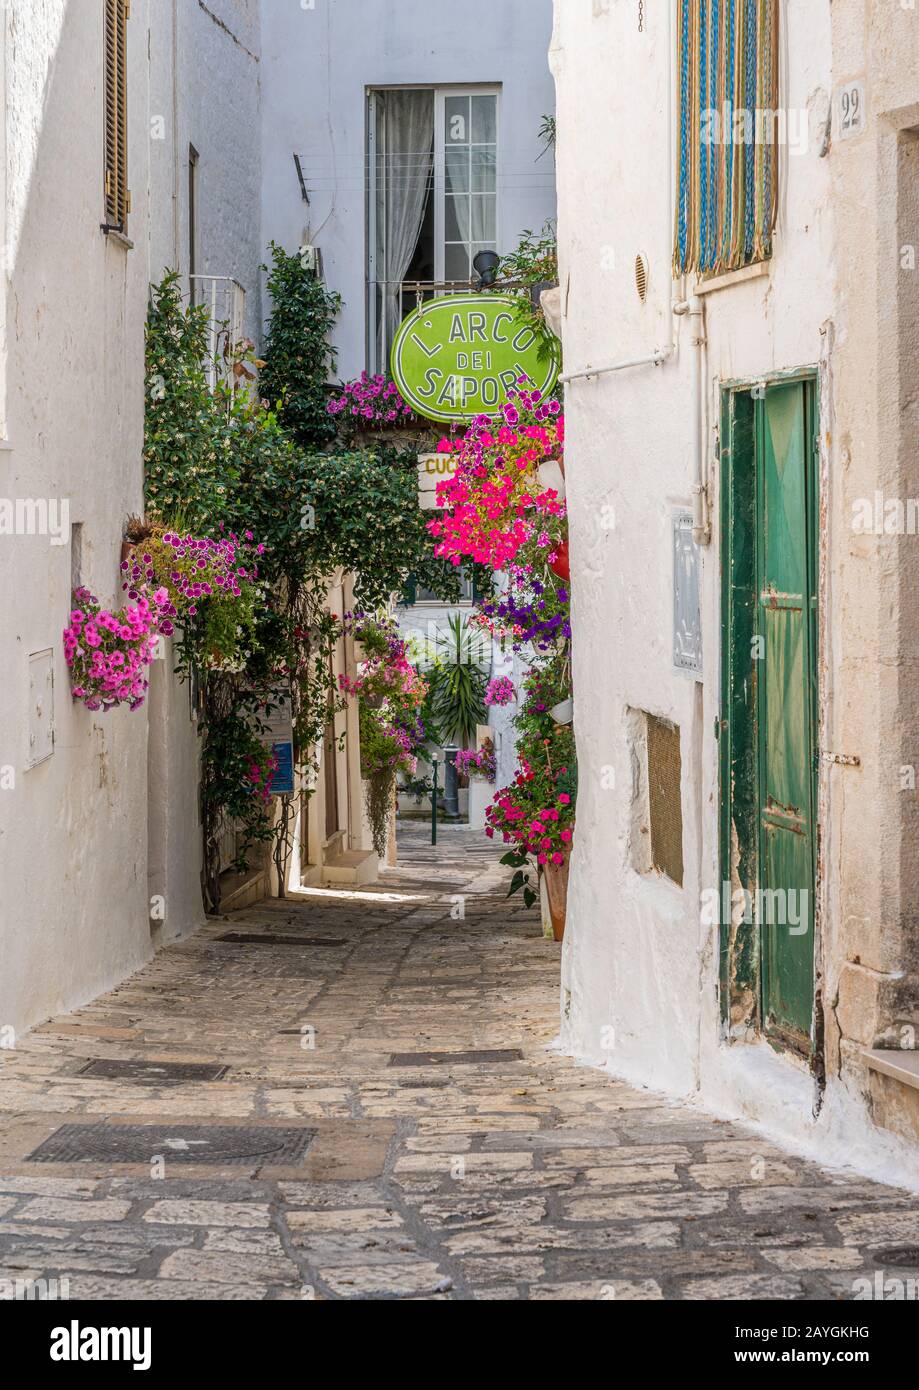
x,y
557,892
560,565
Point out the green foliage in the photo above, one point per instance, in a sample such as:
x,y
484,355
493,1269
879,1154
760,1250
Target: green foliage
x,y
532,265
367,520
299,359
521,882
548,132
220,462
458,683
535,260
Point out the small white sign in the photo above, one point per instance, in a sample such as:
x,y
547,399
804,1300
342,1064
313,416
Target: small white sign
x,y
41,706
851,110
433,469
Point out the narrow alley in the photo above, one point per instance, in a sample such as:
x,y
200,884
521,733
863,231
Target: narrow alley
x,y
362,1104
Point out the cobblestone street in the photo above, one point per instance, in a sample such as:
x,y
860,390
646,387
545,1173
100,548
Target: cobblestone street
x,y
348,1162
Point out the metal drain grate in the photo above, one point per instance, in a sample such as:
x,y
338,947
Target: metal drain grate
x,y
458,1059
241,938
218,1144
108,1069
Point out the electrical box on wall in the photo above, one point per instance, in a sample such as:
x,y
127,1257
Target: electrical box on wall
x,y
687,604
41,706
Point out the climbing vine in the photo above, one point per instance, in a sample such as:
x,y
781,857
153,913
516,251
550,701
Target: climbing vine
x,y
299,359
225,468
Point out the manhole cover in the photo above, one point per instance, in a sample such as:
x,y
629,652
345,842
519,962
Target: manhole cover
x,y
111,1070
903,1255
241,938
221,1144
458,1059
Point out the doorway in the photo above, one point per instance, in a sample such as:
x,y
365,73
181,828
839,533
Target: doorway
x,y
768,728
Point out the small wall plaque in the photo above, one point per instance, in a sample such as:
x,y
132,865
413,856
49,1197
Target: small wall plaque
x,y
687,605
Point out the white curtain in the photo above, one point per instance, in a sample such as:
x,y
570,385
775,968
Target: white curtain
x,y
408,154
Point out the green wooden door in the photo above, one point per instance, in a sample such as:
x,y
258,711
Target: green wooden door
x,y
786,713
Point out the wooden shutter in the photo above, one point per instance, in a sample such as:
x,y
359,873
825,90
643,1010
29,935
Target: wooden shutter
x,y
117,197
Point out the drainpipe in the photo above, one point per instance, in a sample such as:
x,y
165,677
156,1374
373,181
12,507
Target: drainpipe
x,y
175,139
701,526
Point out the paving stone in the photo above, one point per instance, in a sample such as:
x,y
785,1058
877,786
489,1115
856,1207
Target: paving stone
x,y
742,1287
112,1290
493,1168
815,1257
356,1220
352,1281
616,1291
59,1209
223,1267
503,1270
879,1228
191,1213
244,1239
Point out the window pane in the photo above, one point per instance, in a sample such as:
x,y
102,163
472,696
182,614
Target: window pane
x,y
456,218
484,169
484,218
485,119
456,263
456,110
457,168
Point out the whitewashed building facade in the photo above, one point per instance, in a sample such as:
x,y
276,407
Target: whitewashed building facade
x,y
737,632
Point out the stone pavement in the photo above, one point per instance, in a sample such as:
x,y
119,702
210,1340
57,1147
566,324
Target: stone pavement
x,y
342,1169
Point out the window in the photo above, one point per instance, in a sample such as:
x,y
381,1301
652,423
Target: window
x,y
466,179
117,197
433,199
728,131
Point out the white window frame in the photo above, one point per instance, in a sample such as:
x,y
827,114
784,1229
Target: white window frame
x,y
440,187
440,163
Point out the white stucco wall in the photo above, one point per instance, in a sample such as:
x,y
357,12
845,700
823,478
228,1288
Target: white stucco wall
x,y
204,92
73,831
640,988
214,104
317,62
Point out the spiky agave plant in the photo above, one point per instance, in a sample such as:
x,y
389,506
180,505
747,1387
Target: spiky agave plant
x,y
458,681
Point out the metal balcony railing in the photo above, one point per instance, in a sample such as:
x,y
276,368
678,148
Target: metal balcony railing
x,y
225,299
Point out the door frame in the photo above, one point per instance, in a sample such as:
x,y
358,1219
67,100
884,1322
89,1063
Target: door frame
x,y
741,974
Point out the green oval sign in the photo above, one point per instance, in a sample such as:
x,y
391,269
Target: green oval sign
x,y
456,358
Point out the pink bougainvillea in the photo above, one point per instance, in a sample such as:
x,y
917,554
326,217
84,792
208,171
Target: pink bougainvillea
x,y
494,503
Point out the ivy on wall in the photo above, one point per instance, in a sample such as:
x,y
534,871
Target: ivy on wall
x,y
298,356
